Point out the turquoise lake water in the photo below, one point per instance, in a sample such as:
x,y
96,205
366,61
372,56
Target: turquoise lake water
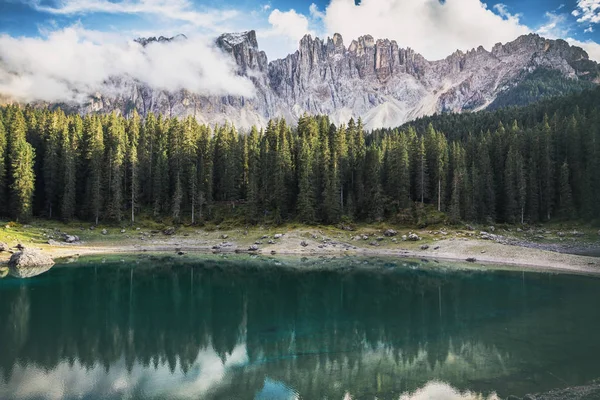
x,y
161,327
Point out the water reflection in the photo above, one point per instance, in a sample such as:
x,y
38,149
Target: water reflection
x,y
247,329
28,272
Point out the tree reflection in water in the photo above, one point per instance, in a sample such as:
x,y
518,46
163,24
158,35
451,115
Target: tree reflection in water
x,y
247,328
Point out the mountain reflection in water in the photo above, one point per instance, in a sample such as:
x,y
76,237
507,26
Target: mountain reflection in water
x,y
247,328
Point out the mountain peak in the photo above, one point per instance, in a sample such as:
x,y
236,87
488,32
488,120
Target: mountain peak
x,y
161,39
230,40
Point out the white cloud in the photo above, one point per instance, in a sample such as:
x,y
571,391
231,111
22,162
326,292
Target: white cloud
x,y
587,11
555,26
315,13
591,47
432,28
71,63
285,31
589,29
288,23
181,10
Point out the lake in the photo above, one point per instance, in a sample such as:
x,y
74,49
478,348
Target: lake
x,y
241,327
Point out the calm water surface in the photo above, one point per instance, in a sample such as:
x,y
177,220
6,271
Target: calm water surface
x,y
244,328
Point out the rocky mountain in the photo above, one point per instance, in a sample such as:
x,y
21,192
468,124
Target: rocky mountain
x,y
145,41
376,80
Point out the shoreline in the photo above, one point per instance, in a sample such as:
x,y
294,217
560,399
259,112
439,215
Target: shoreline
x,y
521,258
451,246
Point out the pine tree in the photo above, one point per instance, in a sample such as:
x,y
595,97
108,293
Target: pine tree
x,y
94,157
421,171
133,135
373,189
68,157
3,170
457,202
116,152
160,167
253,195
566,194
53,131
306,199
21,176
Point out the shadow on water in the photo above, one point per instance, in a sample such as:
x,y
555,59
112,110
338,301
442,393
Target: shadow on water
x,y
219,328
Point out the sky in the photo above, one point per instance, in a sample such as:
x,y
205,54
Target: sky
x,y
82,42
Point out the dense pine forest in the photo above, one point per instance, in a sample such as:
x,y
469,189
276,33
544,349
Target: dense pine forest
x,y
517,165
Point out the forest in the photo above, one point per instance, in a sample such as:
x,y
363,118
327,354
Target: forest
x,y
516,165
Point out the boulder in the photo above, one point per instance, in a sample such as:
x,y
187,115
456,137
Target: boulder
x,y
390,233
104,232
303,244
28,263
413,237
471,259
169,231
71,238
425,247
254,247
3,247
224,236
278,236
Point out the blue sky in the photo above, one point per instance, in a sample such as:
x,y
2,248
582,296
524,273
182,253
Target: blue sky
x,y
281,23
62,50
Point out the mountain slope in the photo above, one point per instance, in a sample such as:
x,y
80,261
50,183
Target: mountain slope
x,y
372,79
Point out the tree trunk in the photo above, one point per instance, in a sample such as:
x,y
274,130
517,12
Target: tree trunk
x,y
439,195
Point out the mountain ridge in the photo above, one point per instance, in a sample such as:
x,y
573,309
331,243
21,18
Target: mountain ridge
x,y
372,79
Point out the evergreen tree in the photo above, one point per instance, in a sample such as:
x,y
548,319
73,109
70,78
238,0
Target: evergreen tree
x,y
566,194
116,151
3,170
21,176
68,153
94,157
133,135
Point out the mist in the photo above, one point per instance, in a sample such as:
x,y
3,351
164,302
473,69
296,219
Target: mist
x,y
70,64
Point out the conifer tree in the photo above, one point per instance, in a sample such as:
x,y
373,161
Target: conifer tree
x,y
421,170
68,158
566,194
53,132
306,199
94,158
3,170
133,135
116,152
21,176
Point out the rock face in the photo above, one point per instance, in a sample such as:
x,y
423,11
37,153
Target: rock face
x,y
370,78
28,263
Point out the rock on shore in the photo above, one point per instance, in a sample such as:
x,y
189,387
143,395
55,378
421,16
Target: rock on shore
x,y
30,258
